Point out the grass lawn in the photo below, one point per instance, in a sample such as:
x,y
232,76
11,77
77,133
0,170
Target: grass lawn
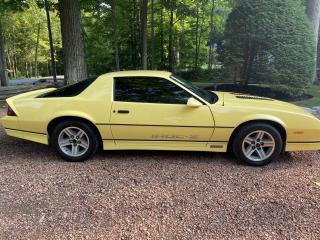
x,y
313,102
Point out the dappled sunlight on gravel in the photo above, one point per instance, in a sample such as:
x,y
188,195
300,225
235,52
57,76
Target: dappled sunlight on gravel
x,y
153,194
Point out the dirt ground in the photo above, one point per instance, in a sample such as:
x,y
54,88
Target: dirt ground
x,y
155,195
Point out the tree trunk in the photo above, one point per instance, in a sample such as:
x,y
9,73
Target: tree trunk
x,y
313,11
200,37
27,70
132,24
37,50
197,36
162,58
144,18
16,69
53,62
171,52
177,52
4,80
30,69
75,67
10,64
211,52
248,62
115,35
152,36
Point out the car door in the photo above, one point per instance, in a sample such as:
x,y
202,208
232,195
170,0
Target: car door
x,y
155,109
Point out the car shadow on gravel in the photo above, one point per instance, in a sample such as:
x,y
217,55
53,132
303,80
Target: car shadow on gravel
x,y
168,156
17,149
187,157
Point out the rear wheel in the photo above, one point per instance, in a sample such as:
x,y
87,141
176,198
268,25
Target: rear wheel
x,y
74,140
257,144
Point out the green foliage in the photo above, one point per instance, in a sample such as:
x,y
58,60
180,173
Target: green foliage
x,y
200,75
20,34
13,5
98,33
265,41
270,41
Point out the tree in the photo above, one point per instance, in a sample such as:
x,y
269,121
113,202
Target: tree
x,y
144,34
73,48
13,5
37,49
27,41
152,36
211,37
171,32
4,80
313,11
273,44
53,62
171,38
200,12
115,34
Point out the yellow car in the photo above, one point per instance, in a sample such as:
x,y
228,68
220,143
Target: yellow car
x,y
159,111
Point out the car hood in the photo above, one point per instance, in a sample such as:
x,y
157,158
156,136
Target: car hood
x,y
241,100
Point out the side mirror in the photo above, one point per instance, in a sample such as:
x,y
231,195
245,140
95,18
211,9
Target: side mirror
x,y
193,103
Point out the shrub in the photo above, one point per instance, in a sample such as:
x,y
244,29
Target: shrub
x,y
201,75
271,42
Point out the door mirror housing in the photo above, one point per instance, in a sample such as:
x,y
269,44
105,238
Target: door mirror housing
x,y
194,103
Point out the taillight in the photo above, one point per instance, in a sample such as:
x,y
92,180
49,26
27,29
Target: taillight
x,y
10,112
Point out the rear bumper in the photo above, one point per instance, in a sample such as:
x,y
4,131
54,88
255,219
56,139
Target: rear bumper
x,y
31,136
302,146
10,122
13,129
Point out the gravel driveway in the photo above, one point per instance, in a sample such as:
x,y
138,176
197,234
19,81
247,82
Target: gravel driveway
x,y
155,195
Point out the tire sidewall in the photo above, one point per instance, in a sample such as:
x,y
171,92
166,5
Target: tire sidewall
x,y
93,145
244,131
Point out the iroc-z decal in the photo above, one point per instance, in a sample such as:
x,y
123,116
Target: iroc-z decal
x,y
189,137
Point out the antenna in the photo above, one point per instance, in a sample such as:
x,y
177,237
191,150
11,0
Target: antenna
x,y
223,99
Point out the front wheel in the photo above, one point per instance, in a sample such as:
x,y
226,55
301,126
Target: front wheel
x,y
74,141
257,144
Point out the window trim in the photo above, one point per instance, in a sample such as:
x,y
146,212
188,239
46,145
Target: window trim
x,y
167,79
195,96
187,89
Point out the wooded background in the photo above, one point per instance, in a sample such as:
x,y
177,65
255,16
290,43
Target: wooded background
x,y
268,42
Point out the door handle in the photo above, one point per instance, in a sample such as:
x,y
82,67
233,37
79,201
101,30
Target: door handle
x,y
123,111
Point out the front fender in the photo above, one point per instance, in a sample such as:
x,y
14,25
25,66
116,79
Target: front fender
x,y
261,117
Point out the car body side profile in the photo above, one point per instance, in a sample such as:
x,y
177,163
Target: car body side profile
x,y
155,110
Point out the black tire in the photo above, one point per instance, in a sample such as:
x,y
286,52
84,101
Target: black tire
x,y
239,145
92,144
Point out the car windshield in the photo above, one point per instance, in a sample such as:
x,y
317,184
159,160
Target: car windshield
x,y
204,94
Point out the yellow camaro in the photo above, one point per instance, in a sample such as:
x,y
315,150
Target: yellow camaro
x,y
159,111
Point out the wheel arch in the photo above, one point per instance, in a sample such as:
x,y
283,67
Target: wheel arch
x,y
54,122
278,126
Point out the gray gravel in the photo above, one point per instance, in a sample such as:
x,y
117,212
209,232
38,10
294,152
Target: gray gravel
x,y
155,195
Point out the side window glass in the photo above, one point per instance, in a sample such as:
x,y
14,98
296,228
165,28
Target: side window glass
x,y
149,90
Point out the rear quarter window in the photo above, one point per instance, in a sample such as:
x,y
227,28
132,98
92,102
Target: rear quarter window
x,y
70,90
